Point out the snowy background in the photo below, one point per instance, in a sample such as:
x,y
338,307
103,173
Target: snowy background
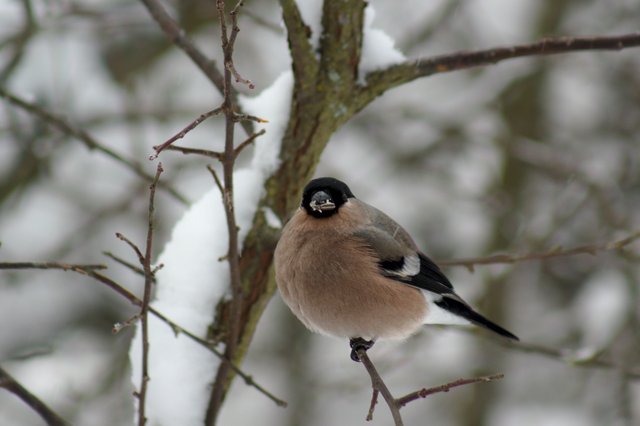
x,y
522,156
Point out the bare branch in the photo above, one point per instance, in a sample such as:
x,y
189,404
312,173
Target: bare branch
x,y
378,386
51,265
380,81
223,376
178,329
247,142
159,148
19,42
216,179
12,385
197,151
124,263
423,393
232,41
146,298
179,37
572,357
89,141
591,249
247,117
134,247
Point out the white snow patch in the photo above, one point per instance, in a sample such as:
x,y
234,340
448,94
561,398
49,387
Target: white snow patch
x,y
272,219
194,278
311,12
378,49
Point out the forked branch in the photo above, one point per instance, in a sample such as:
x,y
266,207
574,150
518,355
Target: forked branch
x,y
378,386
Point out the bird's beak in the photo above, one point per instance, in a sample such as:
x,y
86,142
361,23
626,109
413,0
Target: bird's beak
x,y
322,202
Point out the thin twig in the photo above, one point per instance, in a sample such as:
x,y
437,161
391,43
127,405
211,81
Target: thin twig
x,y
51,265
144,309
247,142
216,179
89,141
179,37
220,384
232,40
380,81
591,249
181,134
19,42
214,154
572,357
12,385
178,329
378,386
124,263
423,393
134,247
197,151
247,117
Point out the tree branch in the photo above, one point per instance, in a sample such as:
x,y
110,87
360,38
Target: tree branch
x,y
340,53
591,249
572,358
146,299
12,385
378,82
378,386
304,63
133,299
51,265
178,36
182,133
228,158
89,141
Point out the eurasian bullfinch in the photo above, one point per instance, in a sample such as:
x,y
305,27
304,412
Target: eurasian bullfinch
x,y
346,269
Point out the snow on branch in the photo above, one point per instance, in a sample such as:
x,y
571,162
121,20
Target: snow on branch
x,y
378,82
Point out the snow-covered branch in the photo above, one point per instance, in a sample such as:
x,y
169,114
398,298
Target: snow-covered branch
x,y
378,82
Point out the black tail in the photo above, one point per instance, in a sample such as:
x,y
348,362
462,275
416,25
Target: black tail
x,y
463,310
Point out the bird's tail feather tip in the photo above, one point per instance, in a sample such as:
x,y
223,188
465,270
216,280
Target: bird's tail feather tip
x,y
469,314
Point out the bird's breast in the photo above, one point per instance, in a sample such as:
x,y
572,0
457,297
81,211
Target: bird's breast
x,y
331,282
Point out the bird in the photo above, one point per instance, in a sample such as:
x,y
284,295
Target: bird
x,y
346,269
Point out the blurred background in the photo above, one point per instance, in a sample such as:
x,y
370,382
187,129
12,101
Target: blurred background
x,y
525,156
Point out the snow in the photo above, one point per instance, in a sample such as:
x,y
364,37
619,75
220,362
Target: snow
x,y
272,219
194,279
311,12
378,49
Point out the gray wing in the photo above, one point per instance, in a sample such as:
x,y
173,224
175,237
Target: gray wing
x,y
399,259
398,255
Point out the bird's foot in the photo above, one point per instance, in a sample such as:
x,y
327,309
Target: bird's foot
x,y
357,344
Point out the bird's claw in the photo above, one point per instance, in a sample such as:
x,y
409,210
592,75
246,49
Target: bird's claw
x,y
357,344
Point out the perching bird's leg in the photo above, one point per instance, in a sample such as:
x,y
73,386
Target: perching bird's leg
x,y
359,343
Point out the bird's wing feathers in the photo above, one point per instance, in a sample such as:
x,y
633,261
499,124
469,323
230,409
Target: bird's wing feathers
x,y
399,259
397,253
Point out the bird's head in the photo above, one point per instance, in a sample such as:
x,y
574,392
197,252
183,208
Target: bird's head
x,y
323,197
